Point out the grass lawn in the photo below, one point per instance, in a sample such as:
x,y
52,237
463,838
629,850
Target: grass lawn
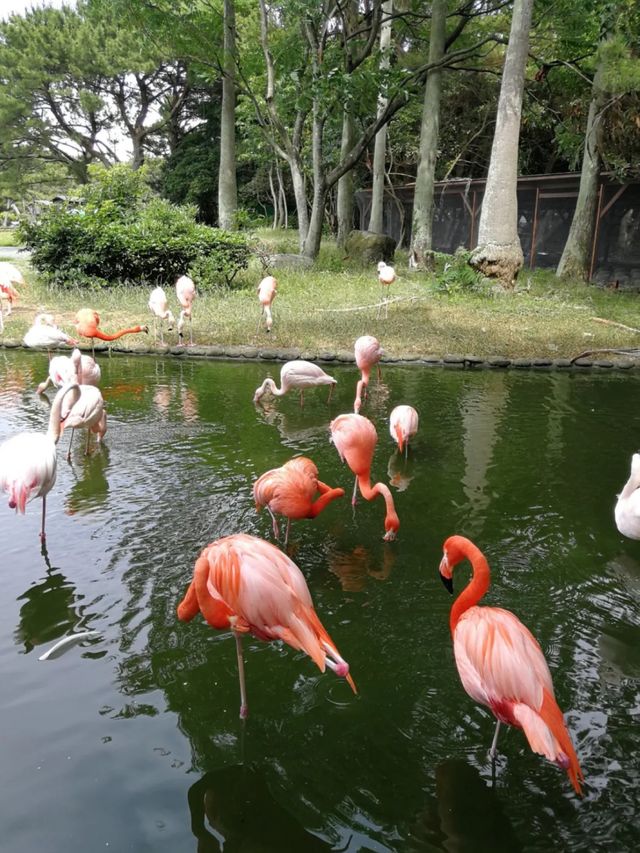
x,y
8,237
328,307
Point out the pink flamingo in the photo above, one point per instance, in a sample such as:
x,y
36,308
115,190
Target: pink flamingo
x,y
501,664
186,293
85,413
403,425
44,333
386,277
368,352
159,307
267,290
28,463
627,509
247,585
290,490
355,439
296,374
88,321
9,275
77,367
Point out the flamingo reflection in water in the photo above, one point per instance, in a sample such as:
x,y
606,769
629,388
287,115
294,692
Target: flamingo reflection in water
x,y
248,585
353,568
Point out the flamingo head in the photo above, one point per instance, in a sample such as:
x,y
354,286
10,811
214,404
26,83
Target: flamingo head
x,y
454,551
391,525
381,265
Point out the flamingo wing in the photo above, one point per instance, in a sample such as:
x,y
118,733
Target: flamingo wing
x,y
27,468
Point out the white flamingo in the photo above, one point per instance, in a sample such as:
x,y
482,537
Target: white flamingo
x,y
159,307
28,463
627,511
296,374
403,425
77,367
386,277
267,291
9,276
45,333
186,293
85,413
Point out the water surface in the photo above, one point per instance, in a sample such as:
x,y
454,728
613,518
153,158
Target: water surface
x,y
132,742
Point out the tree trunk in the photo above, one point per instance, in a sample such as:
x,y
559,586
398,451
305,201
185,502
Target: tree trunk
x,y
380,146
576,257
422,227
499,253
227,183
345,184
300,194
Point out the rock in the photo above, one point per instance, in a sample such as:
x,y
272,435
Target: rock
x,y
285,261
370,248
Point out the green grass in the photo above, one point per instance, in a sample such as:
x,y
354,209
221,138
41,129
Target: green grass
x,y
8,237
541,317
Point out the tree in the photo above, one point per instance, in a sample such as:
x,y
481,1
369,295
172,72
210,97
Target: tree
x,y
227,184
499,253
380,144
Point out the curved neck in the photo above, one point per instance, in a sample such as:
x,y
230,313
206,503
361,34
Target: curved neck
x,y
271,386
53,432
324,499
475,589
104,337
369,492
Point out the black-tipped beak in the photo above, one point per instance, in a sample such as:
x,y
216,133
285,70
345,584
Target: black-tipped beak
x,y
448,582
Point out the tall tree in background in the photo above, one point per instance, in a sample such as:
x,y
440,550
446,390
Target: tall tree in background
x,y
422,225
380,144
227,182
499,253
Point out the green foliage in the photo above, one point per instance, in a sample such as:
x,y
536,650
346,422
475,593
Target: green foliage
x,y
124,233
457,275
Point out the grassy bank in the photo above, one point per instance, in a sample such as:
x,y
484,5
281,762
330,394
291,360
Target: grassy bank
x,y
328,307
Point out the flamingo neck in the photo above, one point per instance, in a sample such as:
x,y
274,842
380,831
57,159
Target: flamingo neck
x,y
318,505
477,586
369,492
97,333
54,430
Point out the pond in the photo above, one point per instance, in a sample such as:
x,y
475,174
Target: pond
x,y
132,741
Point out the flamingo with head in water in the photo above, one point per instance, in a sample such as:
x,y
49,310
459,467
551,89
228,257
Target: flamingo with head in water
x,y
296,374
368,352
249,586
501,664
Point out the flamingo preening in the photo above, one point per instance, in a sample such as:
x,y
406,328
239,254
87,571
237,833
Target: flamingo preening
x,y
368,352
296,374
28,462
247,585
267,291
45,334
501,664
290,490
403,425
77,367
355,437
186,293
159,307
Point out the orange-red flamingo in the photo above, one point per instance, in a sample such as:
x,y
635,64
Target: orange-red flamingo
x,y
296,374
247,585
267,290
501,664
159,307
403,425
627,510
290,491
28,461
386,277
186,293
88,320
368,352
355,439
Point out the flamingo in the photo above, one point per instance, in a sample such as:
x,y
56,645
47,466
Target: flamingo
x,y
100,427
627,511
355,439
74,368
28,463
159,307
9,275
44,333
247,585
267,290
296,374
88,320
368,352
501,664
386,277
290,489
403,425
85,413
186,293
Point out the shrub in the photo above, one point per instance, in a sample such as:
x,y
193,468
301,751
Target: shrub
x,y
457,275
122,232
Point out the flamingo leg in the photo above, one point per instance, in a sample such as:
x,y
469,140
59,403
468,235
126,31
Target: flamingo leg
x,y
355,491
379,372
330,392
286,535
492,750
86,450
244,708
259,320
302,397
406,450
73,429
276,529
43,535
191,331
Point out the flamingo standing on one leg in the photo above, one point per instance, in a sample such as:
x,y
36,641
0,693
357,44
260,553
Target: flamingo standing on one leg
x,y
186,293
368,352
9,276
44,333
88,320
386,277
267,290
296,374
77,367
28,463
403,425
85,413
248,585
355,439
159,307
627,510
501,664
290,490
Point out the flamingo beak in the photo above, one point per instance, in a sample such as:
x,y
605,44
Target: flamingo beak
x,y
445,574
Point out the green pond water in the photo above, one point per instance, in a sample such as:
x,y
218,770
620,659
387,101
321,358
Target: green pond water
x,y
132,741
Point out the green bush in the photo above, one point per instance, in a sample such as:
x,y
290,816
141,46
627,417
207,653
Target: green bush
x,y
123,233
457,275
